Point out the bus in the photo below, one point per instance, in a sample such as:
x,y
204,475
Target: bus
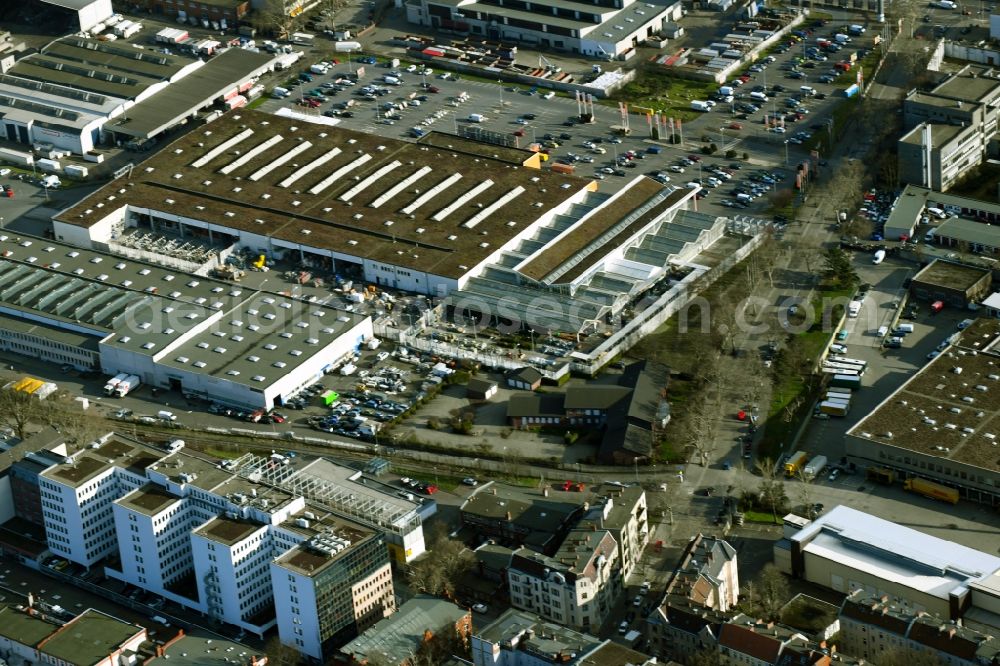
x,y
841,368
853,361
840,371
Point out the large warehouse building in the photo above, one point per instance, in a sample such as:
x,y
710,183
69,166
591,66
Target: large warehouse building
x,y
203,337
848,550
600,29
78,93
457,218
941,424
408,216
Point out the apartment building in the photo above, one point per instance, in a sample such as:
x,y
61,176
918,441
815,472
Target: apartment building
x,y
706,574
576,587
873,626
622,512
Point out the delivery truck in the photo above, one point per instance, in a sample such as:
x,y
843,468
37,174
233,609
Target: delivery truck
x,y
795,463
126,386
814,467
109,388
932,490
699,105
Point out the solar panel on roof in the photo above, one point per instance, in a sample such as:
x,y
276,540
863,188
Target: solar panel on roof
x,y
339,173
316,163
370,180
431,193
280,160
221,148
252,153
400,186
462,199
493,207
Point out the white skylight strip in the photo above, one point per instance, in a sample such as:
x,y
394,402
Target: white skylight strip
x,y
400,186
221,148
465,198
268,168
315,164
493,207
338,174
431,193
252,153
369,181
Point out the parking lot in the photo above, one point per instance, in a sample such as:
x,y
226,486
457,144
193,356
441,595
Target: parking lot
x,y
407,100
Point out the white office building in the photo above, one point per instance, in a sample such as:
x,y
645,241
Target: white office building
x,y
218,539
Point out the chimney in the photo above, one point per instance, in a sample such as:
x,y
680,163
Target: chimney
x,y
508,516
494,489
545,491
593,527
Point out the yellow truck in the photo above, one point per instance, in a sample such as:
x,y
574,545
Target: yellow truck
x,y
932,490
796,462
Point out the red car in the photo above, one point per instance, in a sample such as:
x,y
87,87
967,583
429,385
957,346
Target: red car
x,y
694,158
735,126
433,89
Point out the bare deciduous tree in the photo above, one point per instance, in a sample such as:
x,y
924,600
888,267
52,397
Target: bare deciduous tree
x,y
18,410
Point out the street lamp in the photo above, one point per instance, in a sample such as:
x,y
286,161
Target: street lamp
x,y
500,82
786,152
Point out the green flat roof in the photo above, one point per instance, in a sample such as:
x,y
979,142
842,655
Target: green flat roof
x,y
23,628
89,639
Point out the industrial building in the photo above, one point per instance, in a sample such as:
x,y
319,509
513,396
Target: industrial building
x,y
948,130
79,93
202,337
397,638
458,219
232,540
953,284
606,29
910,217
85,13
848,550
939,424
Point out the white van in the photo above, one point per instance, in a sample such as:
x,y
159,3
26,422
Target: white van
x,y
853,309
879,257
759,96
164,415
807,90
882,331
929,236
392,80
903,329
476,118
938,213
